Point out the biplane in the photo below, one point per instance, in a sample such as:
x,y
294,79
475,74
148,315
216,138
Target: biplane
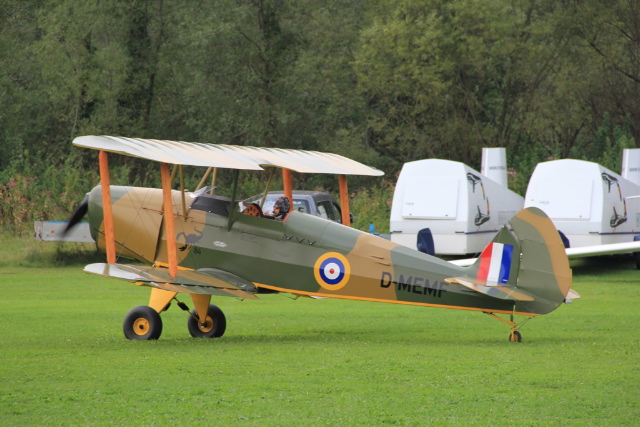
x,y
201,244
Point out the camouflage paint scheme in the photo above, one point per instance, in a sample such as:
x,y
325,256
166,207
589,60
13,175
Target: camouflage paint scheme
x,y
307,255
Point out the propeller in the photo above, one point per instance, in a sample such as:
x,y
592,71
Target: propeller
x,y
77,215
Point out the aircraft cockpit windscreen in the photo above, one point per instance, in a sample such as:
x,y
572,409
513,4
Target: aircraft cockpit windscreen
x,y
203,201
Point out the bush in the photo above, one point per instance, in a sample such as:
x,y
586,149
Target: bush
x,y
25,199
372,206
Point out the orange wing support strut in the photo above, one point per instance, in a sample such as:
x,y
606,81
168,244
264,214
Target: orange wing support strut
x,y
169,224
286,183
344,200
105,182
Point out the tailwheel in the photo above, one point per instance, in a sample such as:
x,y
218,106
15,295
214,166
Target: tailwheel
x,y
515,336
142,323
213,327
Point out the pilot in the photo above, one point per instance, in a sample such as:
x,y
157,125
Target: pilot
x,y
281,208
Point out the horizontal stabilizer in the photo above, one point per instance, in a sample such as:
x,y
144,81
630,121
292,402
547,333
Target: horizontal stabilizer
x,y
499,292
207,281
571,295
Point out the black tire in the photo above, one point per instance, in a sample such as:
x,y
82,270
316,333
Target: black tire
x,y
214,326
142,323
515,336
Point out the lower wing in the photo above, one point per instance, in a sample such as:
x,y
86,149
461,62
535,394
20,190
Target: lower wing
x,y
208,281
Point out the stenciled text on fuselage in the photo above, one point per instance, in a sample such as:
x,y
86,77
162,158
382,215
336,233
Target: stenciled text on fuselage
x,y
413,284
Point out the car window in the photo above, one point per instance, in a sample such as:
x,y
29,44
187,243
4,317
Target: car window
x,y
322,212
338,212
326,210
301,205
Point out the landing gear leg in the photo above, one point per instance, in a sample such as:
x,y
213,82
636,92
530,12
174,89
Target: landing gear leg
x,y
514,335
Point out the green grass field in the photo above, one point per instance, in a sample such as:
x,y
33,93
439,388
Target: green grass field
x,y
310,362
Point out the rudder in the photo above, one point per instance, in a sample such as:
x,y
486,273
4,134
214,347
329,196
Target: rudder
x,y
544,266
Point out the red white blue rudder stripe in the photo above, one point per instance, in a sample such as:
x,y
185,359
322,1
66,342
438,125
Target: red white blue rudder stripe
x,y
495,264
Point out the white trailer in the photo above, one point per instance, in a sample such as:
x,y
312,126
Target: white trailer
x,y
461,207
587,202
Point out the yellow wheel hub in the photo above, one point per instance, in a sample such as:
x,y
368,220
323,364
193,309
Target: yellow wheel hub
x,y
208,325
141,326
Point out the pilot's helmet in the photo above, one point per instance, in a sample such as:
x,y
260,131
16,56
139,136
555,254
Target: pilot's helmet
x,y
282,204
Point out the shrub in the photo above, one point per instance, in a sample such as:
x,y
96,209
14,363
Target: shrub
x,y
25,199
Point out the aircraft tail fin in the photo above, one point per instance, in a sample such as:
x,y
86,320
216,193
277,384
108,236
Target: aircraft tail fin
x,y
527,264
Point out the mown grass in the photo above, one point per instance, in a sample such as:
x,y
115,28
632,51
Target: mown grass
x,y
314,362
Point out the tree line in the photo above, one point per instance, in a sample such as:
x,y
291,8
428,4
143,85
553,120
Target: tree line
x,y
382,81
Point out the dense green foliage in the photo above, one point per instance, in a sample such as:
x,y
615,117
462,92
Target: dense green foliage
x,y
383,82
310,362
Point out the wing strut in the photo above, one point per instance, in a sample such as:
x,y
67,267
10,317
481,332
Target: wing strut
x,y
204,178
286,183
184,202
105,182
213,180
169,225
344,200
234,191
272,172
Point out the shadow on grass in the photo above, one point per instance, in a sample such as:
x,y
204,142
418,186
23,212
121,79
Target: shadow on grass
x,y
603,264
27,252
349,338
60,255
65,255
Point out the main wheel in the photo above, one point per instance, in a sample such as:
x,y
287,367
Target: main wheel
x,y
214,326
142,323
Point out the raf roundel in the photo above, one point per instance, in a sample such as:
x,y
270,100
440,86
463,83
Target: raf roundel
x,y
332,271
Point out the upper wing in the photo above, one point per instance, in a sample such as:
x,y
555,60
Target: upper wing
x,y
209,281
227,156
